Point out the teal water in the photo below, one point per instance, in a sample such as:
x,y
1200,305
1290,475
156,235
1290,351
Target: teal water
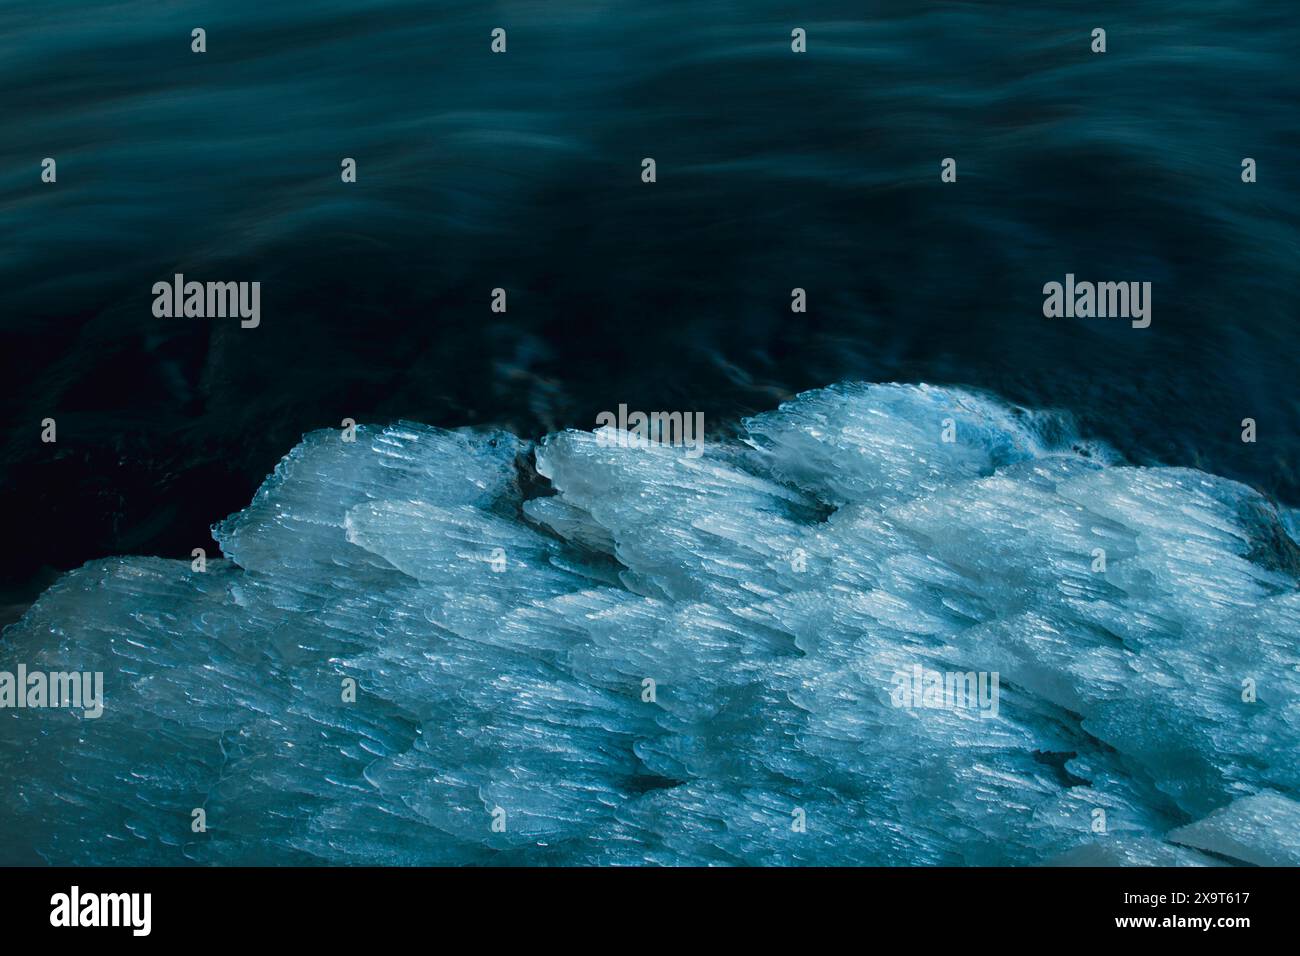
x,y
521,171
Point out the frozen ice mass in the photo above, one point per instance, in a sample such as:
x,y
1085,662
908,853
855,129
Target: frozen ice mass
x,y
578,652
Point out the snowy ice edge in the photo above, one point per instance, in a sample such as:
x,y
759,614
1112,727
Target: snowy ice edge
x,y
499,640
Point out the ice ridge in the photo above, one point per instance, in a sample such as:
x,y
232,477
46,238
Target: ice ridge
x,y
575,652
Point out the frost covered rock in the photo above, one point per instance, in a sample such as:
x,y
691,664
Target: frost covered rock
x,y
670,659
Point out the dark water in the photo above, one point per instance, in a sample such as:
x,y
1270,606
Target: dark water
x,y
523,171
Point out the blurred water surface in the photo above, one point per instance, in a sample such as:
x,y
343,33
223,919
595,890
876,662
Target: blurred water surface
x,y
522,171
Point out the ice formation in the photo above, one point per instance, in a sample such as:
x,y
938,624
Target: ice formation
x,y
503,625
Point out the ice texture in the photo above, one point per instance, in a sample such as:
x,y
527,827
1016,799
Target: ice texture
x,y
1243,831
501,605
